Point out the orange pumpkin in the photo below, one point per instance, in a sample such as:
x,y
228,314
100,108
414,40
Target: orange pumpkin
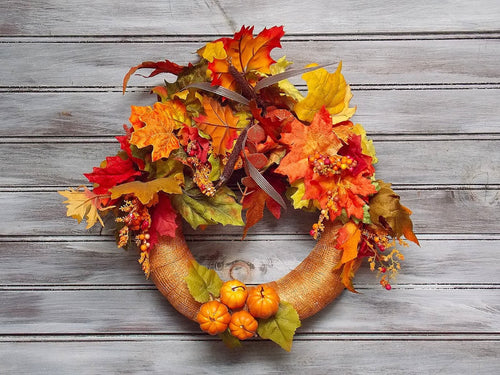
x,y
214,317
243,325
263,301
233,294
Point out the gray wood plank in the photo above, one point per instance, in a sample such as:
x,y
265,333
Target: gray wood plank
x,y
382,62
148,355
75,17
423,309
434,211
380,111
258,259
468,162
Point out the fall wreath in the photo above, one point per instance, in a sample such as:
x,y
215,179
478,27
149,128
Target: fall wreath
x,y
234,115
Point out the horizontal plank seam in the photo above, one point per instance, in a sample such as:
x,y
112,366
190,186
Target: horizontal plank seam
x,y
420,86
300,336
148,287
288,37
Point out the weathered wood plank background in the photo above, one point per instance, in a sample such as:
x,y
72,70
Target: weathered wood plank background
x,y
426,80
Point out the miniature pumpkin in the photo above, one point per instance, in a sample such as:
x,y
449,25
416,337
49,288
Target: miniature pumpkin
x,y
263,301
243,325
213,317
233,294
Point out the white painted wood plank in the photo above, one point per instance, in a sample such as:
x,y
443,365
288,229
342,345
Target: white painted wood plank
x,y
380,111
352,355
468,162
128,311
364,62
76,17
256,260
434,211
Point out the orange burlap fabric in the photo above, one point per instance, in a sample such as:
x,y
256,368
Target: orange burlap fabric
x,y
311,286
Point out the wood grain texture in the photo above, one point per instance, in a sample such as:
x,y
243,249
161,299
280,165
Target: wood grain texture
x,y
426,82
384,61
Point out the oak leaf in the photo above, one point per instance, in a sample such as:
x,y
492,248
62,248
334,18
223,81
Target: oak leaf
x,y
114,170
305,141
146,191
328,90
220,124
387,211
158,129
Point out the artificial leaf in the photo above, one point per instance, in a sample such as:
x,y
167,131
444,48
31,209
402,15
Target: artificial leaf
x,y
366,144
387,211
213,50
159,67
255,199
245,54
220,124
83,205
159,127
113,171
348,240
305,141
281,327
163,220
229,340
285,85
203,283
198,209
296,193
328,90
125,146
146,191
348,273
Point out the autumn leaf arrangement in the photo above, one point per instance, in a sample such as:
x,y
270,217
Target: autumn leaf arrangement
x,y
233,118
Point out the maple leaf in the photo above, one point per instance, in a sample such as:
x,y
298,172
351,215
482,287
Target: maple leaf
x,y
366,144
256,199
159,127
146,191
125,146
115,171
246,54
203,283
220,124
83,205
348,273
325,89
163,220
281,327
159,67
305,141
387,211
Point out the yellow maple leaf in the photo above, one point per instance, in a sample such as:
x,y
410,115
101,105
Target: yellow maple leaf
x,y
158,129
325,89
82,205
366,144
285,85
146,191
220,124
213,50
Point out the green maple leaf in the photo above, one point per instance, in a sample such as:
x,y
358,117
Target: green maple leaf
x,y
198,209
281,327
229,340
203,283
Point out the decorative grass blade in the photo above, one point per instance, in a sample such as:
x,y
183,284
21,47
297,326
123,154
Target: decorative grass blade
x,y
219,90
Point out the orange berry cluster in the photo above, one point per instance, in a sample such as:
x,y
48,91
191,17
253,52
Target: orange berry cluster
x,y
330,165
237,309
136,219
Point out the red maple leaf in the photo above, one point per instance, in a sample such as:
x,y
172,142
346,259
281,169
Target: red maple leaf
x,y
125,146
163,220
116,171
245,53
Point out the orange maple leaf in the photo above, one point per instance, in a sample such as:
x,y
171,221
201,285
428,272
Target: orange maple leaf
x,y
155,127
219,123
305,141
246,54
